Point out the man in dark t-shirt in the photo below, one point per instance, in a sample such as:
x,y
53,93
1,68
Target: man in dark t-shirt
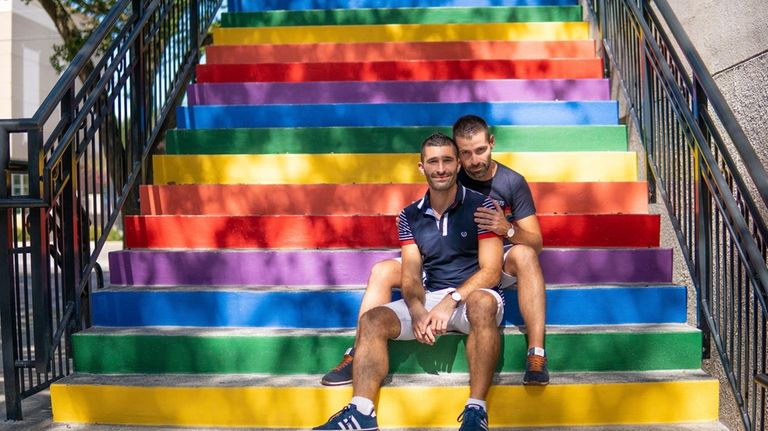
x,y
513,217
459,292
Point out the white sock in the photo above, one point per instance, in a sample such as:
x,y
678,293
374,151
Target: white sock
x,y
480,403
538,351
364,405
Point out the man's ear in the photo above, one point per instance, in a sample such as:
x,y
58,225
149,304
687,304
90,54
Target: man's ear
x,y
491,141
421,169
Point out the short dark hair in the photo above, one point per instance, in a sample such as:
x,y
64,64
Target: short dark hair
x,y
470,125
438,139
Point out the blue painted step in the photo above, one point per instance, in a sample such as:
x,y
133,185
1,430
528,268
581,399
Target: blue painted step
x,y
397,114
254,5
338,308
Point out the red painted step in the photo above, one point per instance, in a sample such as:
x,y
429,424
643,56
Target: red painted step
x,y
201,232
402,70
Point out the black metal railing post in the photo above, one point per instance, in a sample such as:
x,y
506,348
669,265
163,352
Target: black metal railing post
x,y
40,255
71,222
703,223
647,132
7,289
138,114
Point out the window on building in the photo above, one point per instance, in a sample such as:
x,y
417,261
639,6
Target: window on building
x,y
19,185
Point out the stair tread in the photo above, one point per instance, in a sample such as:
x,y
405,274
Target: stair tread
x,y
346,288
397,380
179,331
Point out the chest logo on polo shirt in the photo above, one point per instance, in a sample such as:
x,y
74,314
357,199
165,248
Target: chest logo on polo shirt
x,y
463,234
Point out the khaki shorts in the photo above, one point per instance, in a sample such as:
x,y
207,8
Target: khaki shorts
x,y
458,321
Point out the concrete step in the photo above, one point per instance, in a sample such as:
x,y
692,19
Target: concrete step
x,y
351,199
250,6
352,267
406,15
269,401
580,166
384,51
397,114
410,70
497,90
319,140
155,350
286,232
337,308
402,33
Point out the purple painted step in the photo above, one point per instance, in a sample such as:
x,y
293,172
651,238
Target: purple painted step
x,y
258,93
351,267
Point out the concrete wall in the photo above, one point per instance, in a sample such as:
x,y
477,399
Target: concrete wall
x,y
732,39
27,36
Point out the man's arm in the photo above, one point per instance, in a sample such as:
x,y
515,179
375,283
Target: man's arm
x,y
413,293
527,229
489,254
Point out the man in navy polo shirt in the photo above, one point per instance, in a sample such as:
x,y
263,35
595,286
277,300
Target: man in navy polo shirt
x,y
514,218
461,265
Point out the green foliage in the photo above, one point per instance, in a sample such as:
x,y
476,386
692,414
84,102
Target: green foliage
x,y
75,21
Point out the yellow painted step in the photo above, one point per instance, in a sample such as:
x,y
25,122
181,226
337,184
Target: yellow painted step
x,y
517,31
235,402
379,168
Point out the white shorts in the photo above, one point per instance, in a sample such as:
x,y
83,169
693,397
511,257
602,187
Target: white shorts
x,y
458,321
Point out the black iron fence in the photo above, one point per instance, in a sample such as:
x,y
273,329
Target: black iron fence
x,y
87,148
709,177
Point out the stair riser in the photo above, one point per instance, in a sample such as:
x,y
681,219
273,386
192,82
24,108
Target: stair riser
x,y
354,199
338,309
398,114
533,69
352,268
215,232
115,354
402,51
397,92
403,33
264,407
319,140
379,168
434,15
250,6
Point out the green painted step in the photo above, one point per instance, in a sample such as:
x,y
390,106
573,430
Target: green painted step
x,y
196,350
420,15
323,140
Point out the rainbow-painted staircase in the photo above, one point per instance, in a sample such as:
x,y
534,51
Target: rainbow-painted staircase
x,y
244,273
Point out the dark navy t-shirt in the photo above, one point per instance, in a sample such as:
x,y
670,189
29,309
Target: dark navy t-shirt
x,y
449,244
508,188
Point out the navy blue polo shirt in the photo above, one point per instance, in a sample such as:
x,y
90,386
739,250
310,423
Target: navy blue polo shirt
x,y
448,245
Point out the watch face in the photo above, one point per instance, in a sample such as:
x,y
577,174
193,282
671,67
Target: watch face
x,y
456,296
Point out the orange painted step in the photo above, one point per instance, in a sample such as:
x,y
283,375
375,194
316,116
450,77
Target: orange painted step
x,y
372,199
216,232
416,70
352,52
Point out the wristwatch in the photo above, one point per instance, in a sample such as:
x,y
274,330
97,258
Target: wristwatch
x,y
456,296
511,231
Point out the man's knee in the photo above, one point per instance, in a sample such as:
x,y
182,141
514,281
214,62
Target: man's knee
x,y
520,258
385,273
482,306
379,322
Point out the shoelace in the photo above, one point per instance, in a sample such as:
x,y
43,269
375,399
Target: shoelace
x,y
344,362
339,413
460,418
537,362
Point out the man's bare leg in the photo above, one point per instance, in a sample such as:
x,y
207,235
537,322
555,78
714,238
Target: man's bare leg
x,y
385,276
482,342
377,327
523,262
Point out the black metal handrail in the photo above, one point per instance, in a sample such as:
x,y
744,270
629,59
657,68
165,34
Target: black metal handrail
x,y
87,147
714,210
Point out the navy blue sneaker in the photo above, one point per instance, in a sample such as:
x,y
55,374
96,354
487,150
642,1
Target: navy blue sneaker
x,y
342,374
536,372
473,418
349,418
